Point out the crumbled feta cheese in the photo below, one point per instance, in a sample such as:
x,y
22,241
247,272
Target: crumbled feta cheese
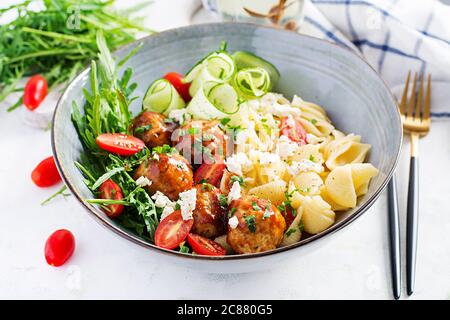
x,y
180,115
233,222
187,203
162,201
304,165
290,121
178,163
166,211
286,147
268,214
281,110
268,158
235,192
237,162
310,138
143,181
297,101
156,156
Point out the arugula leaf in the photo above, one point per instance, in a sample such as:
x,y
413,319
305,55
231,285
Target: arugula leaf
x,y
106,176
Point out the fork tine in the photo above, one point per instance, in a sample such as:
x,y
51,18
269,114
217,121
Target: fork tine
x,y
402,105
412,100
419,103
426,110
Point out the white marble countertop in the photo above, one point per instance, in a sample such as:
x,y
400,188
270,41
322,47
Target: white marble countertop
x,y
354,264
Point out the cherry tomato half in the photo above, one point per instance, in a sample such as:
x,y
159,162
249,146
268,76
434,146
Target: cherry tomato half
x,y
176,80
210,173
288,216
293,130
119,143
110,190
172,230
59,247
34,92
204,246
46,174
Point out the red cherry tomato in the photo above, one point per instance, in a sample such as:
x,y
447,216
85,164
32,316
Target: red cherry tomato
x,y
46,174
119,143
288,216
172,230
59,247
293,131
210,173
176,80
34,92
205,246
110,190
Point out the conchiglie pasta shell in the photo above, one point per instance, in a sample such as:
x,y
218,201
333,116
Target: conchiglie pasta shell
x,y
346,153
361,174
308,151
308,183
293,237
340,188
317,214
334,206
273,191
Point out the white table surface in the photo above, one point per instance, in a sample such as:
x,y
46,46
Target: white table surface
x,y
353,265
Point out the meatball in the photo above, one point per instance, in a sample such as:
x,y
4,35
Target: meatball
x,y
259,226
169,174
151,128
209,216
201,141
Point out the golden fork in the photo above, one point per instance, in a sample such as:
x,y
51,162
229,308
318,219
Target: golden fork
x,y
415,115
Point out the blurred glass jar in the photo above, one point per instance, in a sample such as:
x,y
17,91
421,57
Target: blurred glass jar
x,y
287,14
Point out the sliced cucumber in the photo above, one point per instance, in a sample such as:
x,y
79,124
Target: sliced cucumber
x,y
217,67
252,82
244,59
162,97
214,101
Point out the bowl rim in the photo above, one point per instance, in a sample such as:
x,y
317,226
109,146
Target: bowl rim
x,y
137,240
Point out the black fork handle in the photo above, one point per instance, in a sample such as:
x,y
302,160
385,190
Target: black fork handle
x,y
394,237
412,222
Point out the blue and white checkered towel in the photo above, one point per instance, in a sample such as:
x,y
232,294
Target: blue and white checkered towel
x,y
394,36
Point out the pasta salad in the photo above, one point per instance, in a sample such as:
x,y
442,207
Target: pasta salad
x,y
216,162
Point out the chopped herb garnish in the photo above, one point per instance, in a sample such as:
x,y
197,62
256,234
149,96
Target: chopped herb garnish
x,y
239,179
177,206
225,121
301,227
250,220
267,212
231,212
206,186
165,149
223,200
289,232
142,129
255,206
193,131
184,248
311,158
313,121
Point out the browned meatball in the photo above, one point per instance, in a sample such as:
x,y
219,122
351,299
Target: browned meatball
x,y
260,225
209,216
201,141
169,173
151,128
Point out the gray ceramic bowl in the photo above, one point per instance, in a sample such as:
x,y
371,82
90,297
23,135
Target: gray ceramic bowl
x,y
353,94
